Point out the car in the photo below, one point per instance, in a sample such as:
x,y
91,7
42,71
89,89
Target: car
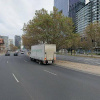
x,y
7,54
22,52
16,54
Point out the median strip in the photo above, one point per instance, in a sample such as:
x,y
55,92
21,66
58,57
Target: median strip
x,y
15,77
95,70
50,72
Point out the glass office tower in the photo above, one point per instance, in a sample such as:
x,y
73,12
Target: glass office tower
x,y
17,41
83,18
72,2
95,10
63,6
74,6
88,14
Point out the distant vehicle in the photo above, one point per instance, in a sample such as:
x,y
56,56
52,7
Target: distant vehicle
x,y
22,52
16,54
7,53
17,51
43,53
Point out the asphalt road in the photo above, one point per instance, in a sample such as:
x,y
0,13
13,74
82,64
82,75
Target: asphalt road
x,y
22,79
84,60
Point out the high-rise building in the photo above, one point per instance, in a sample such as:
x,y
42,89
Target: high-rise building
x,y
5,38
83,18
17,41
69,8
10,43
88,14
63,6
73,2
95,10
74,6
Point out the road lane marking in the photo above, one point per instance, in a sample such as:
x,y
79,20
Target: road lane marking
x,y
15,77
50,72
25,60
7,61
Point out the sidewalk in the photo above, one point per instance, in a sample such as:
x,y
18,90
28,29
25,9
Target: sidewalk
x,y
82,55
91,69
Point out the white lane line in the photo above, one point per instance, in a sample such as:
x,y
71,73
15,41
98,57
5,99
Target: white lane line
x,y
25,60
15,77
50,72
7,61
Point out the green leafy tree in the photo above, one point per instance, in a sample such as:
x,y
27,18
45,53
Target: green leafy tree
x,y
73,42
53,28
92,33
13,48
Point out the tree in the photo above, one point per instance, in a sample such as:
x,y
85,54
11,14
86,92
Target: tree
x,y
92,33
13,48
53,28
84,43
73,42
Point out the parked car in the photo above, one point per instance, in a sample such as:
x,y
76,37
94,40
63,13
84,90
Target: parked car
x,y
16,54
22,52
7,54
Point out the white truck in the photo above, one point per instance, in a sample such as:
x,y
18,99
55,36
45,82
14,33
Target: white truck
x,y
43,53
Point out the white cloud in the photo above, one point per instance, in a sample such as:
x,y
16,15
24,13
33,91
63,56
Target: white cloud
x,y
14,13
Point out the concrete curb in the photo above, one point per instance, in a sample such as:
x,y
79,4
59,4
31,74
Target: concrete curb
x,y
87,56
78,70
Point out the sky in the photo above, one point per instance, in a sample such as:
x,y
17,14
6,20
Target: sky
x,y
14,13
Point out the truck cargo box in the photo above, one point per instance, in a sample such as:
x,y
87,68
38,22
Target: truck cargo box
x,y
43,53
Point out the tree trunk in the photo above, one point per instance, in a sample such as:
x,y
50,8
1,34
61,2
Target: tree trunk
x,y
91,51
71,50
74,51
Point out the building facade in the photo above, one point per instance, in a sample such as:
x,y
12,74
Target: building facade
x,y
73,2
5,38
17,41
10,43
69,8
82,14
83,18
1,41
74,6
2,47
88,14
95,10
63,6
